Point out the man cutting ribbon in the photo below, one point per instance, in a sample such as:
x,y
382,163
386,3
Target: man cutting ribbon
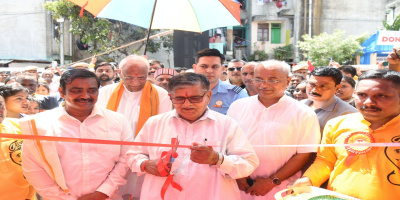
x,y
220,152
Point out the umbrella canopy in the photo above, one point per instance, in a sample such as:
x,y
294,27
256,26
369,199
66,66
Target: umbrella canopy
x,y
186,15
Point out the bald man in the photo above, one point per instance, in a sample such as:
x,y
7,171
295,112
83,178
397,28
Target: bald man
x,y
272,118
137,99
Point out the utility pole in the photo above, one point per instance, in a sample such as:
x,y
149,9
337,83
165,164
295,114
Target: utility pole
x,y
61,21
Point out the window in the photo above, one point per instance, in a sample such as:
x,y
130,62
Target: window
x,y
263,32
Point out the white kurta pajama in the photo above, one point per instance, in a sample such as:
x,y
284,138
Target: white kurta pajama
x,y
82,168
286,122
129,106
199,181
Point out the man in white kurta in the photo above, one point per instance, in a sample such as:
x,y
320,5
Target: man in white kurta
x,y
133,71
68,170
272,118
207,131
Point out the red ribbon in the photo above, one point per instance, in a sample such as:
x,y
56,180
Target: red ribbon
x,y
83,7
164,169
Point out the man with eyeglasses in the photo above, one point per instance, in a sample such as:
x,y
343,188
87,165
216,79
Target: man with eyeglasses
x,y
323,84
137,99
273,118
105,72
234,72
219,151
209,63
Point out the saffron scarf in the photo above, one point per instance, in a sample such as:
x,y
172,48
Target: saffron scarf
x,y
149,102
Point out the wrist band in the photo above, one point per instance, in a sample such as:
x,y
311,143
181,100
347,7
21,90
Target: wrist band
x,y
144,165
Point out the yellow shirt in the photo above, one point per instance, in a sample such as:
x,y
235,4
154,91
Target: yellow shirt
x,y
13,184
374,175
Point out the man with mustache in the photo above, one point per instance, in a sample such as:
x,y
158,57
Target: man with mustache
x,y
323,84
154,65
163,76
234,73
248,78
363,172
137,99
105,72
71,170
209,63
48,76
219,151
272,118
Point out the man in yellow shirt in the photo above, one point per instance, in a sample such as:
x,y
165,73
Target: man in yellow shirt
x,y
13,184
363,172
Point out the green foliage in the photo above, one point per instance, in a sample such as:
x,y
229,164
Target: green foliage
x,y
102,34
283,53
258,56
337,46
395,26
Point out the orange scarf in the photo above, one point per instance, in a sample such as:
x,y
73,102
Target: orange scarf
x,y
148,102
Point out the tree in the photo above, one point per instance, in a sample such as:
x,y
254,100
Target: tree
x,y
337,46
102,34
395,26
283,53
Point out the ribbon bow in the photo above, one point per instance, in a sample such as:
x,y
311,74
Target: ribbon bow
x,y
166,157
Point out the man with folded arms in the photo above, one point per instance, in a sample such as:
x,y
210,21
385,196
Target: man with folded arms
x,y
219,152
363,172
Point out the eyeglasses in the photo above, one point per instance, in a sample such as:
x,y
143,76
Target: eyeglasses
x,y
130,78
192,99
271,82
233,69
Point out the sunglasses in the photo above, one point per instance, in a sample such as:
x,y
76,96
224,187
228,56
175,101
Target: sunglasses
x,y
233,69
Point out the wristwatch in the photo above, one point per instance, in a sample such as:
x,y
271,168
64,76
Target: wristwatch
x,y
276,180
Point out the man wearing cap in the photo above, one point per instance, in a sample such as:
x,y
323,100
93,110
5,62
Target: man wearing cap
x,y
154,66
137,99
80,65
105,72
32,70
209,63
234,74
301,69
163,76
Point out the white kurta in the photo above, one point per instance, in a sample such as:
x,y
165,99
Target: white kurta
x,y
86,167
286,122
129,106
199,181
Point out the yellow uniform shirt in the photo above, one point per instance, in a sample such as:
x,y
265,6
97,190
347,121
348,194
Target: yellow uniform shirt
x,y
13,185
379,179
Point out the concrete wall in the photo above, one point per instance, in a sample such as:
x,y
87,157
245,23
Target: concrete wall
x,y
23,32
355,17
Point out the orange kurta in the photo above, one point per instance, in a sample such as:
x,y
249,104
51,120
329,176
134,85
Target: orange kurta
x,y
379,180
13,184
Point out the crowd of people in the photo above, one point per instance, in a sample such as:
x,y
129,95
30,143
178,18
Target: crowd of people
x,y
210,130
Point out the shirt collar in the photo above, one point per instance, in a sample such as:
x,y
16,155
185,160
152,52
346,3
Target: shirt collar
x,y
328,106
280,101
219,89
96,111
395,120
207,114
